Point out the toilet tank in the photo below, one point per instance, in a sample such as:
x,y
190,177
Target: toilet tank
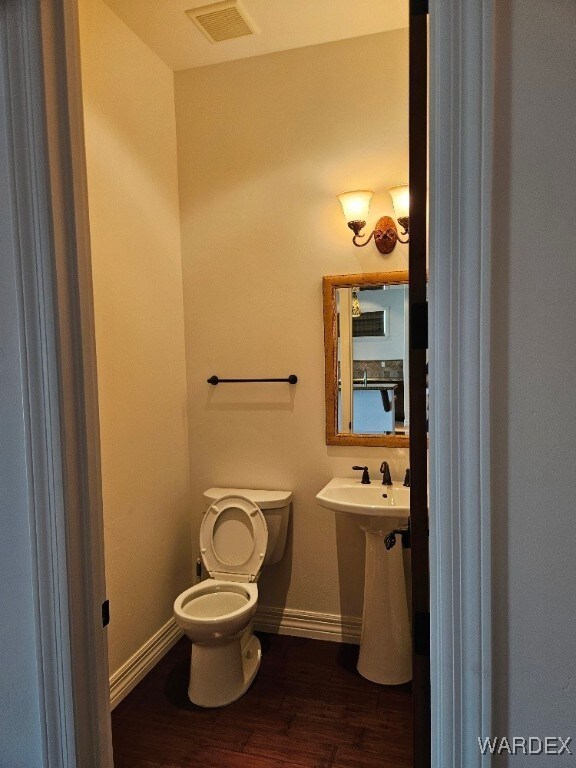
x,y
275,506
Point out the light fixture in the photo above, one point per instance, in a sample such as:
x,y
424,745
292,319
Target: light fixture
x,y
401,201
356,311
356,205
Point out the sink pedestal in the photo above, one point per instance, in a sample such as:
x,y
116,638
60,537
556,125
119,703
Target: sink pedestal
x,y
385,644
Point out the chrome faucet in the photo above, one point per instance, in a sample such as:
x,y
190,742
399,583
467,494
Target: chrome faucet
x,y
385,469
365,475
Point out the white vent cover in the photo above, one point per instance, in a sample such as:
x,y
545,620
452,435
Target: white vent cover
x,y
222,21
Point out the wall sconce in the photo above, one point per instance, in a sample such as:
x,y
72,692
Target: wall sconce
x,y
356,205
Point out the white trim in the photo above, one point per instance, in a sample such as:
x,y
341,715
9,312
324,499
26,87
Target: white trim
x,y
317,626
461,122
139,664
21,71
72,299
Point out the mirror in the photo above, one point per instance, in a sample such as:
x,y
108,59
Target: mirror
x,y
366,349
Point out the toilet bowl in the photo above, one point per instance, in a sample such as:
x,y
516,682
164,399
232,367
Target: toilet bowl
x,y
215,609
216,614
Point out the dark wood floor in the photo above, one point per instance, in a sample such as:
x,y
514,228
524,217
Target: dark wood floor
x,y
307,707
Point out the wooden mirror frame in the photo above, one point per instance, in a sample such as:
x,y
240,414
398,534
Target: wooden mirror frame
x,y
329,285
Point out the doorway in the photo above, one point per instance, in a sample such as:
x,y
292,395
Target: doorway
x,y
156,350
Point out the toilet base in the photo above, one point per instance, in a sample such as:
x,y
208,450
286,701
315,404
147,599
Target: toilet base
x,y
222,673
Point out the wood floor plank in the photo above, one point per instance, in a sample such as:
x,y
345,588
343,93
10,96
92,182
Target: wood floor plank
x,y
395,696
136,762
353,758
392,744
305,752
220,758
250,718
306,727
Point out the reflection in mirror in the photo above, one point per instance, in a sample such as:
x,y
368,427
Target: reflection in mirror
x,y
366,335
373,359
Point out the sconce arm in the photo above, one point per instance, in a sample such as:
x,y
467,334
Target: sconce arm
x,y
361,245
404,222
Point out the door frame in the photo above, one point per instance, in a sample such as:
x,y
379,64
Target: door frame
x,y
418,333
51,242
461,138
43,74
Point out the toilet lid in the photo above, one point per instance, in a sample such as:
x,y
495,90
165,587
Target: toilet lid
x,y
233,539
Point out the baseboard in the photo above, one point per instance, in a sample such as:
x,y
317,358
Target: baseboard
x,y
318,626
282,621
146,657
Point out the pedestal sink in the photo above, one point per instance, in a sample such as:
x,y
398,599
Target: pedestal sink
x,y
385,645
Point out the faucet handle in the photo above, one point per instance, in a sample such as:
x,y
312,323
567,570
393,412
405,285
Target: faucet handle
x,y
385,469
365,476
406,482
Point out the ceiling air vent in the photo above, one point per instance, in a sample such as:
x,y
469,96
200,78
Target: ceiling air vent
x,y
222,21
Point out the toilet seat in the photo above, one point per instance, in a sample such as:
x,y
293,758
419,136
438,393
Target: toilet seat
x,y
233,539
214,604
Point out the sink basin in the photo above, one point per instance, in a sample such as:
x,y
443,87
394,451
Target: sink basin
x,y
385,644
376,500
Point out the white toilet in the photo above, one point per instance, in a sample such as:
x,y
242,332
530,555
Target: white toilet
x,y
241,531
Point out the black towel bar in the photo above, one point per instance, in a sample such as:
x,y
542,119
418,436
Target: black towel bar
x,y
292,379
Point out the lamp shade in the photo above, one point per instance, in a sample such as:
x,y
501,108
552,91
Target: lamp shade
x,y
356,204
401,200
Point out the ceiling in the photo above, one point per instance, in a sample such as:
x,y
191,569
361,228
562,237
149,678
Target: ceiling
x,y
284,24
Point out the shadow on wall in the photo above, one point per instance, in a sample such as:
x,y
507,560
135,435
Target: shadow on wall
x,y
348,563
278,577
247,397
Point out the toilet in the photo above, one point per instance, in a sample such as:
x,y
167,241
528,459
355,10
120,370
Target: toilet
x,y
241,531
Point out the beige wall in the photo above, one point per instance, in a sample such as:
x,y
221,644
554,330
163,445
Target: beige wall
x,y
534,374
264,146
134,219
